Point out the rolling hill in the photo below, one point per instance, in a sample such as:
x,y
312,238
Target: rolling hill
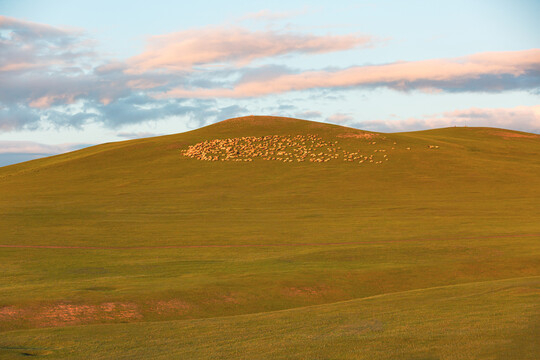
x,y
220,240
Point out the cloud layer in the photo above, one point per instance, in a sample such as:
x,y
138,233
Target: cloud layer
x,y
30,147
488,72
224,45
53,76
12,152
524,118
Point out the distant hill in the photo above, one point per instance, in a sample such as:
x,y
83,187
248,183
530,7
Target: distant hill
x,y
119,182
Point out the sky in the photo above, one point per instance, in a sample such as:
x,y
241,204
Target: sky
x,y
79,73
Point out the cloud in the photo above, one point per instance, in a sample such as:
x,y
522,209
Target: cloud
x,y
488,72
43,66
140,108
29,147
136,135
181,51
309,115
17,117
28,47
340,118
23,30
522,118
65,83
12,152
51,76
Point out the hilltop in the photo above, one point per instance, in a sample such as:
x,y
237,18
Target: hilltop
x,y
118,184
262,214
306,174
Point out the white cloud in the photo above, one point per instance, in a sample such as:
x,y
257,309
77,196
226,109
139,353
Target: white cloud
x,y
340,118
309,115
135,135
30,147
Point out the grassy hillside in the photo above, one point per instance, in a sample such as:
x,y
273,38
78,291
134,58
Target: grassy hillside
x,y
490,320
138,232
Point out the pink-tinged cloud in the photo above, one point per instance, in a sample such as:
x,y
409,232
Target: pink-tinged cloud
x,y
145,83
186,49
51,76
461,73
27,29
28,46
523,118
18,66
340,118
45,102
30,147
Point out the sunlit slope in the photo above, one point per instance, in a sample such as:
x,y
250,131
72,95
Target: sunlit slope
x,y
132,227
483,320
479,181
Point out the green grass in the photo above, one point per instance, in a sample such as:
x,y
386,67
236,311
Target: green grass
x,y
487,320
465,213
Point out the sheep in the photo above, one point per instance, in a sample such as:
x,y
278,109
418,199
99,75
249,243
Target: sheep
x,y
275,148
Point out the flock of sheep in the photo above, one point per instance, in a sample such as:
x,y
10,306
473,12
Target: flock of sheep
x,y
284,148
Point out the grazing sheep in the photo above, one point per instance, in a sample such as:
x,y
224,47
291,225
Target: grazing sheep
x,y
274,148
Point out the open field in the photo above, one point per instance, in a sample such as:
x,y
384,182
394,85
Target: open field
x,y
431,254
486,320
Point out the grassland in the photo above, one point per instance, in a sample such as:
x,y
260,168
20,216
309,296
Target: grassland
x,y
406,258
488,320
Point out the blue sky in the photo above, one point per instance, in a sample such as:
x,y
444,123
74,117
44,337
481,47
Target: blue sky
x,y
74,73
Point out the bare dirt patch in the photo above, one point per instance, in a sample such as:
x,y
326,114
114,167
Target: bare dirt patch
x,y
302,291
67,314
9,312
70,314
359,136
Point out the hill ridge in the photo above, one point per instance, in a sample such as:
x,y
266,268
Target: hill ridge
x,y
258,125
